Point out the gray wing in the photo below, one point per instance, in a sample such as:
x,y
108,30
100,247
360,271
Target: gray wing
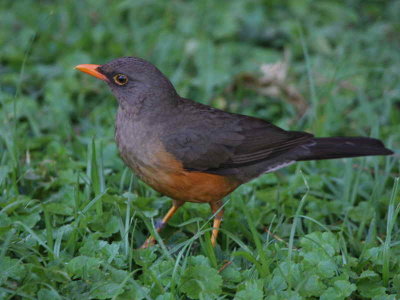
x,y
223,143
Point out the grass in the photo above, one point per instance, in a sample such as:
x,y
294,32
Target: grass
x,y
72,215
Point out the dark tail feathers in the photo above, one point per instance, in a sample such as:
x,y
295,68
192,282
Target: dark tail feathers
x,y
339,147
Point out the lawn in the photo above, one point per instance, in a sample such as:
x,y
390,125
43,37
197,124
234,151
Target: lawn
x,y
72,215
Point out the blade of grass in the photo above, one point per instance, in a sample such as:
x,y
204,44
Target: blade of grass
x,y
96,176
310,77
259,248
35,236
294,225
391,220
49,229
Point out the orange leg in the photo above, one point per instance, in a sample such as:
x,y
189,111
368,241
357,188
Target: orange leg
x,y
215,206
150,241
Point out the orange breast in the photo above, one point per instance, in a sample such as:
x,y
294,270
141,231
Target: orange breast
x,y
196,186
167,176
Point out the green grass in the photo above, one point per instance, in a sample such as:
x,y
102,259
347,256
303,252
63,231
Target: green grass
x,y
72,215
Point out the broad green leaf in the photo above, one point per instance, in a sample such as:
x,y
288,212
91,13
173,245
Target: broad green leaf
x,y
47,294
144,257
371,288
10,268
200,280
166,296
368,274
231,273
5,221
341,290
313,286
250,290
134,291
163,270
83,266
277,283
325,240
106,290
100,249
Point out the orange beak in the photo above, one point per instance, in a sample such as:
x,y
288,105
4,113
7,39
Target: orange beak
x,y
91,70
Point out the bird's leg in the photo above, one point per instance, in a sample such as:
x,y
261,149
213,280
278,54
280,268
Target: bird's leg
x,y
160,225
215,206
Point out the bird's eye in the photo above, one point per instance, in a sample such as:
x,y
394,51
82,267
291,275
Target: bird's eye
x,y
120,79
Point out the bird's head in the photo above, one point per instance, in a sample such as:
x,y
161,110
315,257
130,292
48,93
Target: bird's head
x,y
132,80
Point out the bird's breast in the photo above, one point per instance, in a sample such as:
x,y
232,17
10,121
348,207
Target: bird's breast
x,y
142,150
139,144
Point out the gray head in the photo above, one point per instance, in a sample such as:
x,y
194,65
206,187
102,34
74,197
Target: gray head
x,y
133,81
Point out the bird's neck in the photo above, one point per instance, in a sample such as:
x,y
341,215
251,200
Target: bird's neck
x,y
145,105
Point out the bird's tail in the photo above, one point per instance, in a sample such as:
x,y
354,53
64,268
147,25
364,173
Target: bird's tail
x,y
339,147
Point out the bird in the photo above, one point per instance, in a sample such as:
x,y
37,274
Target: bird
x,y
192,152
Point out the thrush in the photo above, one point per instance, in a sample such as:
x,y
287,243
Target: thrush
x,y
192,152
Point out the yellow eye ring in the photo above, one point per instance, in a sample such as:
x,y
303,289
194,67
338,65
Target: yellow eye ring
x,y
120,79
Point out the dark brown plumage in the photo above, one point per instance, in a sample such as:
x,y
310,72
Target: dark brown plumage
x,y
193,152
